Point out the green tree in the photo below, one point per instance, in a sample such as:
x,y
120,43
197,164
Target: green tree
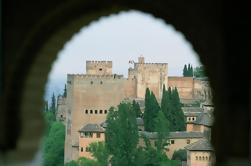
x,y
122,135
188,70
185,71
82,161
72,163
180,155
99,151
151,110
49,120
53,104
162,128
53,149
155,155
178,115
199,72
136,108
166,105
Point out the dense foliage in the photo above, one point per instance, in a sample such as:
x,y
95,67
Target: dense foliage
x,y
122,135
53,146
188,70
136,108
122,147
171,107
151,110
180,155
199,72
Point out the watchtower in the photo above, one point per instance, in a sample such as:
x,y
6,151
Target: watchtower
x,y
99,67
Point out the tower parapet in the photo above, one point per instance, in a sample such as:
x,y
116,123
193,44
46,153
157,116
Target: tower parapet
x,y
99,67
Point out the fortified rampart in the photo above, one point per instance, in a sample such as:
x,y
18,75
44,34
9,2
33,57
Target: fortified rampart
x,y
99,67
185,86
149,75
90,95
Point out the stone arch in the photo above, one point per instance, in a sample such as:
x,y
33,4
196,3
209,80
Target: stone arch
x,y
55,23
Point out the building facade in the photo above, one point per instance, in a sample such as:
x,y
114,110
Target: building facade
x,y
90,95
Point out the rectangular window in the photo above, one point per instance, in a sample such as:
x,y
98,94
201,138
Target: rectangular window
x,y
88,134
188,141
98,135
172,141
82,149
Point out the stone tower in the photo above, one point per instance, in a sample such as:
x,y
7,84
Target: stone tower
x,y
149,75
99,67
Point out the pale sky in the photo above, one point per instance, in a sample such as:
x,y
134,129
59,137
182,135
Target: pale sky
x,y
120,38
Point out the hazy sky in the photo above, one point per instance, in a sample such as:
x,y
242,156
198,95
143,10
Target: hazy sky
x,y
120,38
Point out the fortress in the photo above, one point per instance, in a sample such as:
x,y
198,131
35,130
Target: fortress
x,y
90,95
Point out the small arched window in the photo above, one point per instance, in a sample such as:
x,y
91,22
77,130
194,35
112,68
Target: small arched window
x,y
101,82
91,82
105,111
96,111
101,111
86,111
91,111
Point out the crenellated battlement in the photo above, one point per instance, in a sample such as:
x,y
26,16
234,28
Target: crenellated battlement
x,y
99,67
96,76
154,66
98,62
160,64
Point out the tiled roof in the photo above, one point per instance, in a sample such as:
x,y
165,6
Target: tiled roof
x,y
185,134
204,119
173,135
192,109
91,128
201,145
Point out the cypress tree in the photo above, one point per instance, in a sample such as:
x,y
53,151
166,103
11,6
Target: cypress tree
x,y
53,104
178,115
191,71
151,110
147,112
185,71
136,108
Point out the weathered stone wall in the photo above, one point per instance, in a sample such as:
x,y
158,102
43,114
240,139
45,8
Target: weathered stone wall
x,y
202,90
184,85
89,98
99,67
61,109
179,143
85,142
200,158
152,76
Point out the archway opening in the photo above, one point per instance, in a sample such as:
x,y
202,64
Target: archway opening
x,y
121,38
